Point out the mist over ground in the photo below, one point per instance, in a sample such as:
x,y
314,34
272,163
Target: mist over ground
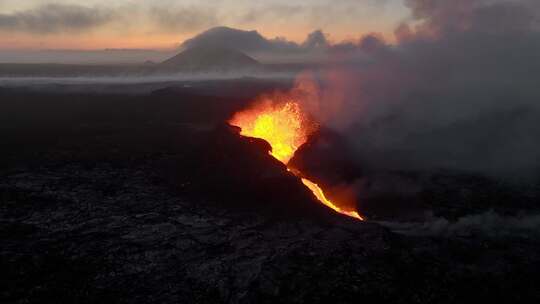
x,y
93,57
488,224
132,83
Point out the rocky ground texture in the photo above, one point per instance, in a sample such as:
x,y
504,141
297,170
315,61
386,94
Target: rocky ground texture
x,y
132,200
113,234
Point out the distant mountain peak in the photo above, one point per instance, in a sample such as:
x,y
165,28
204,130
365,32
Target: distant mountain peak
x,y
209,58
227,37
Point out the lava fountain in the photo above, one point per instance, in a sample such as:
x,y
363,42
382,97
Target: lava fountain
x,y
285,126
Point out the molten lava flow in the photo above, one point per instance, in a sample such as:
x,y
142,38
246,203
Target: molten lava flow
x,y
319,194
285,127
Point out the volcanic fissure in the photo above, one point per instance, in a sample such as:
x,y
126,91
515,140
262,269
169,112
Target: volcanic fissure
x,y
286,127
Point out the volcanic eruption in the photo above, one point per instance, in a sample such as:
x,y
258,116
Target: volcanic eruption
x,y
280,120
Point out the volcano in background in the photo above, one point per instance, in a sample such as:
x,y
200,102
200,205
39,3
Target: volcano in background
x,y
208,59
226,37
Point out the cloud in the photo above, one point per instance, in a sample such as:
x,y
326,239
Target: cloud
x,y
267,13
54,18
321,13
58,16
70,18
183,19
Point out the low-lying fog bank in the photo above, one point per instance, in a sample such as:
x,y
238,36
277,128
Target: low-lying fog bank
x,y
487,224
134,84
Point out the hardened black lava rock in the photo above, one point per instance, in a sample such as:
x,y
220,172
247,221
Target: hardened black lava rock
x,y
122,234
138,199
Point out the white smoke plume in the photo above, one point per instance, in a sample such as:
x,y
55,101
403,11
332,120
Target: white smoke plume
x,y
459,90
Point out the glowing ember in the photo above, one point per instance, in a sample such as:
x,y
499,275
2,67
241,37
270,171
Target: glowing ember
x,y
285,127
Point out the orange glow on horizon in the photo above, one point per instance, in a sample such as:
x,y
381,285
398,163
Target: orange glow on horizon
x,y
89,42
155,41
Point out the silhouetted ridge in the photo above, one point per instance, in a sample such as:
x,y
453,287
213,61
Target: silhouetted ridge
x,y
245,41
210,59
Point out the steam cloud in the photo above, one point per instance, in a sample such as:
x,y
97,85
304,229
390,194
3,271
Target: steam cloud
x,y
459,91
488,224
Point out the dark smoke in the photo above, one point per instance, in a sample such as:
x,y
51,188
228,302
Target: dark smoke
x,y
458,91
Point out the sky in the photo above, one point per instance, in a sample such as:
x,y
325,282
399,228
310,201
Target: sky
x,y
164,24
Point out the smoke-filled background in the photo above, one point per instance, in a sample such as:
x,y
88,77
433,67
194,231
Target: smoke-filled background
x,y
458,91
454,87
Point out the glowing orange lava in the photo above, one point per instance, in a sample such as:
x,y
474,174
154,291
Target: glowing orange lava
x,y
285,127
319,194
